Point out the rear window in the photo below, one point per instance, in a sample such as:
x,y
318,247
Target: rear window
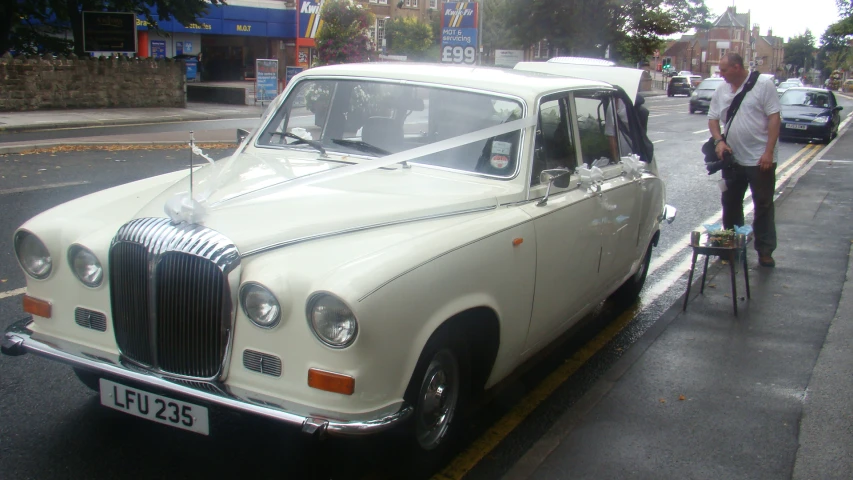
x,y
679,81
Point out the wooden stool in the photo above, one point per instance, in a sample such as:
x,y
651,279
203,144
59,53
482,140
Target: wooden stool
x,y
730,253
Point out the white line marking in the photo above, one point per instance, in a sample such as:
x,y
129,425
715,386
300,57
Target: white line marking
x,y
12,293
659,115
704,130
836,161
42,187
658,141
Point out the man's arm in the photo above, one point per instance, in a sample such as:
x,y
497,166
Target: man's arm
x,y
774,124
714,127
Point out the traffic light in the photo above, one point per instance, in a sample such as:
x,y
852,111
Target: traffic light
x,y
667,61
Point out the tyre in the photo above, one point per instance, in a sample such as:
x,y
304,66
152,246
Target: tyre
x,y
439,391
88,378
628,292
692,111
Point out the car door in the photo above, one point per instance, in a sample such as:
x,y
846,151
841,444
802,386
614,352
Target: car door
x,y
568,245
601,121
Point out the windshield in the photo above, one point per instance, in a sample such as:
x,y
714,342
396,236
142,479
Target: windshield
x,y
373,119
709,84
805,98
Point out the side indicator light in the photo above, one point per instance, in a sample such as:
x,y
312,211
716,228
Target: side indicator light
x,y
517,241
330,382
40,308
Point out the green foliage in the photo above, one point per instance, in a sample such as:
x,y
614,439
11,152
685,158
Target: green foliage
x,y
633,28
798,52
407,36
24,21
343,36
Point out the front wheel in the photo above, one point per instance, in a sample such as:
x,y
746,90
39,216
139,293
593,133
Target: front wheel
x,y
629,291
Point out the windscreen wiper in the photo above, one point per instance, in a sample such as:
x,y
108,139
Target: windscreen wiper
x,y
361,145
313,143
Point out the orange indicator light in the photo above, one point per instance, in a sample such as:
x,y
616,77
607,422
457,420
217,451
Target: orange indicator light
x,y
517,241
40,308
331,382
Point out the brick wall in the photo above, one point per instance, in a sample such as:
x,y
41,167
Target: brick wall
x,y
39,83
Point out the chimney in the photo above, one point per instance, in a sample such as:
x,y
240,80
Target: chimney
x,y
755,30
769,32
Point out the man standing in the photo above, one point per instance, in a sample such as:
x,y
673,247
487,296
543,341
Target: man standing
x,y
751,138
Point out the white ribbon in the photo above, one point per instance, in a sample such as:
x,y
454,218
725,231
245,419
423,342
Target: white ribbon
x,y
633,167
182,208
201,154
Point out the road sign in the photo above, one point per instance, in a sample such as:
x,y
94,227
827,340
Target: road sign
x,y
459,32
657,53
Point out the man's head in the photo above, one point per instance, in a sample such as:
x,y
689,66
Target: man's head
x,y
732,70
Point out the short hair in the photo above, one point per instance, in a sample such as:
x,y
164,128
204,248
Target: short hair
x,y
733,59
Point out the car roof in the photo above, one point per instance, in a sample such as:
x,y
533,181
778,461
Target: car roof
x,y
524,84
626,78
810,89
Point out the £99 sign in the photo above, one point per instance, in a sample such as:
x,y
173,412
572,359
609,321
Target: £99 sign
x,y
459,33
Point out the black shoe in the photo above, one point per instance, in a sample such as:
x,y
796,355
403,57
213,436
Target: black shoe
x,y
766,260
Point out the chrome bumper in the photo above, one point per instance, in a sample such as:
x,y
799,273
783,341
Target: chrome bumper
x,y
18,340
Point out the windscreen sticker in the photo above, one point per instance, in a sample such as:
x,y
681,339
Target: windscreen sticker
x,y
500,161
501,148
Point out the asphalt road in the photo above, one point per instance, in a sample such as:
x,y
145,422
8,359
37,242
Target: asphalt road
x,y
53,427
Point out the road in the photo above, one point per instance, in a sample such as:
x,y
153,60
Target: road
x,y
53,427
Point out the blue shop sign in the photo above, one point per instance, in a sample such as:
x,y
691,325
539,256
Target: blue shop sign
x,y
205,25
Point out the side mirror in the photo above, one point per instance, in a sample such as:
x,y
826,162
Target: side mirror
x,y
838,108
551,177
241,135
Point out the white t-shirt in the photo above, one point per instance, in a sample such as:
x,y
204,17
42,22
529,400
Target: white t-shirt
x,y
748,135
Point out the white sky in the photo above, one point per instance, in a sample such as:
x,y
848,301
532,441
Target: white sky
x,y
787,18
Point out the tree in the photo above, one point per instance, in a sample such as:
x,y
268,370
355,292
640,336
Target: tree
x,y
408,36
36,17
798,51
587,27
343,37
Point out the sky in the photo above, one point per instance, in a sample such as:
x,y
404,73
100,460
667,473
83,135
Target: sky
x,y
787,18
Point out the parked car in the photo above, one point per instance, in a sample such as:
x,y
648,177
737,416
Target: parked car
x,y
383,266
679,85
700,100
685,73
809,114
782,87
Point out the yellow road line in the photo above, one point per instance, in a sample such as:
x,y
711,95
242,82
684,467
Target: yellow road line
x,y
481,447
467,460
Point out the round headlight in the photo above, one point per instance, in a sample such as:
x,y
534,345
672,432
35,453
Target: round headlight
x,y
332,321
260,305
33,255
85,266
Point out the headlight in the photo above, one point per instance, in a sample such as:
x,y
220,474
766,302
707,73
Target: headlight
x,y
260,305
821,119
331,320
33,255
695,94
85,266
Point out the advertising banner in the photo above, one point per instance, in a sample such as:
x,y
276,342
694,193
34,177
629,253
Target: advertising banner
x,y
309,18
459,32
508,58
158,48
266,79
290,72
109,32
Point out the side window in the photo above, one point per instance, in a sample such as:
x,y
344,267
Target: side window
x,y
599,145
554,144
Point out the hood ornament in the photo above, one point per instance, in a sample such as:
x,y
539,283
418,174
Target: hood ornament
x,y
183,207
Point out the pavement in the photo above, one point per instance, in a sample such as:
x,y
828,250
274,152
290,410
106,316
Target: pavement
x,y
703,393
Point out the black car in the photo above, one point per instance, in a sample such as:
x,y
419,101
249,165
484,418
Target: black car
x,y
809,114
700,101
679,86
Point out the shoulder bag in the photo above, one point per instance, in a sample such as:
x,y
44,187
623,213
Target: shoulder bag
x,y
708,148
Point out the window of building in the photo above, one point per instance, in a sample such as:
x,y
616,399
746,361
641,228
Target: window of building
x,y
380,31
412,3
433,4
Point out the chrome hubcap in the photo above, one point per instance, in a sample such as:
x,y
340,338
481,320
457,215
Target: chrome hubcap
x,y
437,400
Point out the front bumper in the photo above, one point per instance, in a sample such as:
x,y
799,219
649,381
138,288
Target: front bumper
x,y
811,132
19,339
700,104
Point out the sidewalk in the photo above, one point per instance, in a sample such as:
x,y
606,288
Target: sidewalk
x,y
704,394
17,122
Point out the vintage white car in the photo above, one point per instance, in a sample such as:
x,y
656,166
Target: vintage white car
x,y
391,240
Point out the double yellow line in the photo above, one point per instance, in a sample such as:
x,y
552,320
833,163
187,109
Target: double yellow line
x,y
468,459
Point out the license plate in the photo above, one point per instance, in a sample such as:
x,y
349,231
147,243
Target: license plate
x,y
154,407
795,126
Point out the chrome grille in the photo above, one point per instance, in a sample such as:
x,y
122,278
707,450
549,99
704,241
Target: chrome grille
x,y
90,319
172,304
262,363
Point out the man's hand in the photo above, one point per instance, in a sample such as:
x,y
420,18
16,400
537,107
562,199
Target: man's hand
x,y
721,148
765,163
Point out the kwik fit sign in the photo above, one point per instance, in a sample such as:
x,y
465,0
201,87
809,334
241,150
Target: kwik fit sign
x,y
309,18
459,32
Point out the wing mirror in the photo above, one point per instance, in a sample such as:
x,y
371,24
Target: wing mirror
x,y
241,135
838,108
555,176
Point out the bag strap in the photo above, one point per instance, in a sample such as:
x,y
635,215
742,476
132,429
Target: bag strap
x,y
735,106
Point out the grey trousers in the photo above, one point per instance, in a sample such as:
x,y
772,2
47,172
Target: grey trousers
x,y
762,185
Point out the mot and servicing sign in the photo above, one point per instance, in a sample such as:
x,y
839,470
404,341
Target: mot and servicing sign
x,y
459,32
